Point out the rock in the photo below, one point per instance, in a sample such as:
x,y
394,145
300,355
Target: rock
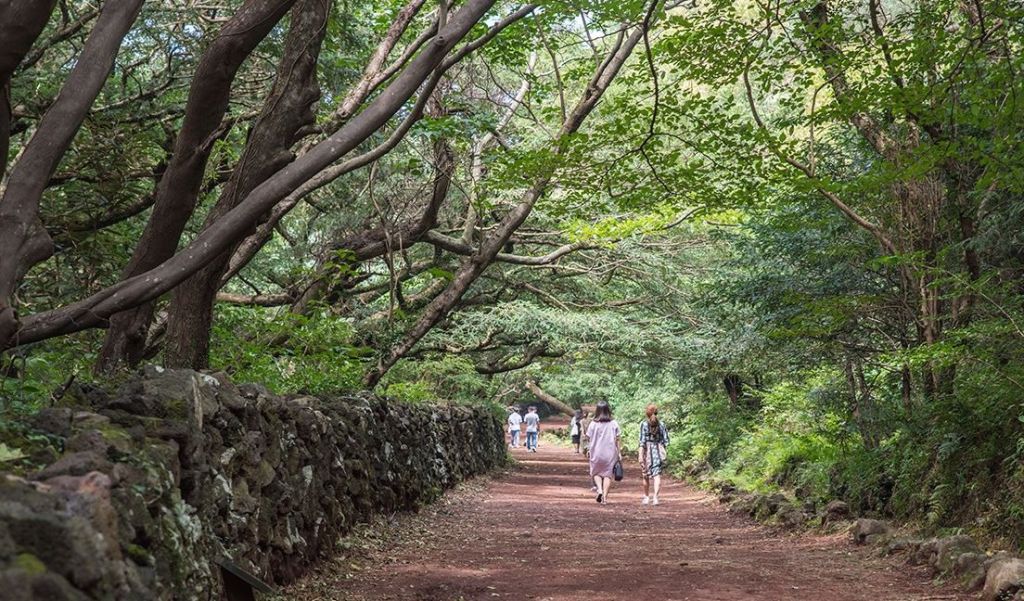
x,y
948,551
924,552
868,531
766,506
54,541
177,467
834,511
902,544
726,487
970,568
7,548
16,583
75,464
86,420
111,443
744,504
791,517
53,420
1003,580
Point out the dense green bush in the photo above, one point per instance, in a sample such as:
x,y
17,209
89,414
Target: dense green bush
x,y
287,352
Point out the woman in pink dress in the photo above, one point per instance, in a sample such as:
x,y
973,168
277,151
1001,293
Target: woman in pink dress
x,y
603,434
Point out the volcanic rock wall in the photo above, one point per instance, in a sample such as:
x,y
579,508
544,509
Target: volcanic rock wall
x,y
178,469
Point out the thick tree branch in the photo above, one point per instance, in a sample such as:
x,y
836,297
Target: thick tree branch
x,y
529,357
95,310
372,74
248,249
256,300
473,266
548,398
24,241
178,190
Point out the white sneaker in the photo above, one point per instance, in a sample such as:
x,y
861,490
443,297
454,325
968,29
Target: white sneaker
x,y
655,501
645,501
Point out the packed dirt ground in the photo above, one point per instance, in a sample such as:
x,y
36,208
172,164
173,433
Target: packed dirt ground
x,y
536,532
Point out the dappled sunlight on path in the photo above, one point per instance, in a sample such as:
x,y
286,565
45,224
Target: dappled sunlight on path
x,y
537,533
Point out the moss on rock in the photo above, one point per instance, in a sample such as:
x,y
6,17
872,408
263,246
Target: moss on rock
x,y
29,563
198,469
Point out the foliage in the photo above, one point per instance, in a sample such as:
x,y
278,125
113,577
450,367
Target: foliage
x,y
796,228
288,352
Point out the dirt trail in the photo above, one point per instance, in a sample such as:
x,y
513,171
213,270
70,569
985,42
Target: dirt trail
x,y
537,533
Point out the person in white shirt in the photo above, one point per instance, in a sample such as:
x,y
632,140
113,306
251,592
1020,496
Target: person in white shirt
x,y
575,430
514,421
532,429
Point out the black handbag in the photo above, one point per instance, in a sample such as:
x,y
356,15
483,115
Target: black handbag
x,y
617,471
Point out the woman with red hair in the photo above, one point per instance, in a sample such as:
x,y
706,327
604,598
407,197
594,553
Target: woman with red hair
x,y
653,440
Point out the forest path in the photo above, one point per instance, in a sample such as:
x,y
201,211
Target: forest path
x,y
536,532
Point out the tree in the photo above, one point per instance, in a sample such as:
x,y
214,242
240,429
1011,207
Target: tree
x,y
29,245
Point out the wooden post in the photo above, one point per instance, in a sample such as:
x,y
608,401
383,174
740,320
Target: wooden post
x,y
239,583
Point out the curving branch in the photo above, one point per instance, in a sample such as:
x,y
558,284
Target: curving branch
x,y
254,242
873,228
506,365
454,245
256,300
373,73
97,308
548,398
178,190
24,241
473,266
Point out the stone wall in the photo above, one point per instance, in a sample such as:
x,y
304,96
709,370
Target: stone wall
x,y
177,469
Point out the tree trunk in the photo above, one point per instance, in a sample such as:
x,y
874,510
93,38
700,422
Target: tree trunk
x,y
178,189
94,311
864,412
24,241
287,109
734,387
21,23
552,401
907,389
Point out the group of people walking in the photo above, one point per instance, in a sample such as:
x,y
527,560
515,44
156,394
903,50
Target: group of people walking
x,y
517,422
599,438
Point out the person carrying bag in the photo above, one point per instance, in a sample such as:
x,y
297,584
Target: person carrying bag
x,y
605,454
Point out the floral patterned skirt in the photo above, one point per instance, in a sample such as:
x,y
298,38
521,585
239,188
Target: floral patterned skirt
x,y
652,460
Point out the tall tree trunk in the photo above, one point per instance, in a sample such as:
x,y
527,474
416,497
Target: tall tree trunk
x,y
24,241
907,389
864,413
21,23
178,189
734,388
94,311
287,109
